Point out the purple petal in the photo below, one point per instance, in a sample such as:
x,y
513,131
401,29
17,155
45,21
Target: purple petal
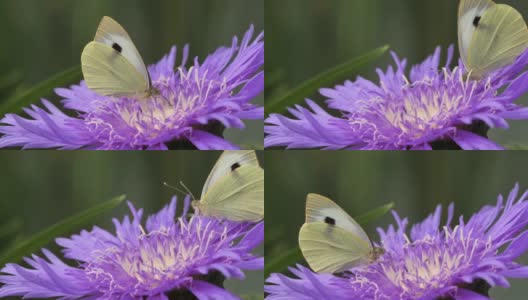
x,y
206,141
404,112
135,262
206,291
516,114
221,88
464,294
310,129
470,141
521,272
158,297
51,129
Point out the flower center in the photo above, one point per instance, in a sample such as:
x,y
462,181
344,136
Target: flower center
x,y
431,263
422,111
417,111
182,101
155,112
158,260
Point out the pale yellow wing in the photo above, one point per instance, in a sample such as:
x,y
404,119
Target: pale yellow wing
x,y
323,210
469,13
331,249
500,37
237,196
229,161
113,35
107,72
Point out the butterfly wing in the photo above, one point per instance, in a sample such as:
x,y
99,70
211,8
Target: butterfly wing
x,y
107,72
228,161
332,249
469,12
113,35
237,196
320,209
330,240
500,37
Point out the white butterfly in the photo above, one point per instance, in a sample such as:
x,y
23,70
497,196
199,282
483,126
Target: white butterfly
x,y
234,189
490,35
331,241
111,64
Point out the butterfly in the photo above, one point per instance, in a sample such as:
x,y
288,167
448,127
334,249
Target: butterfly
x,y
331,241
490,36
234,189
111,64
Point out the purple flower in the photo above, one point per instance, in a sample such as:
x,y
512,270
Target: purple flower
x,y
431,108
431,262
212,94
165,257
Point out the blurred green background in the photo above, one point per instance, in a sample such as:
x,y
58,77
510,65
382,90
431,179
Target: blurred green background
x,y
40,188
42,38
307,37
362,181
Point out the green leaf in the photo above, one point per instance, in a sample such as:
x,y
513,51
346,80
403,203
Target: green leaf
x,y
41,90
327,78
41,239
374,214
280,263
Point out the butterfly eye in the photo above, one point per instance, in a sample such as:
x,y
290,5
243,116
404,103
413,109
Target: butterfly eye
x,y
329,221
476,21
235,166
117,48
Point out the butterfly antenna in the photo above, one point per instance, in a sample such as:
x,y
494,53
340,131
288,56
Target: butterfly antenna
x,y
173,187
188,191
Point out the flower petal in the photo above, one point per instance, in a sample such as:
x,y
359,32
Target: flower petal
x,y
464,294
310,129
470,141
51,129
206,141
206,291
221,88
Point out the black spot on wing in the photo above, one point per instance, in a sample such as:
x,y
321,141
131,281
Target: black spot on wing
x,y
235,166
117,47
476,21
330,221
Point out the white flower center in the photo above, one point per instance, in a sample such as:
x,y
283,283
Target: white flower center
x,y
156,258
430,263
421,108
